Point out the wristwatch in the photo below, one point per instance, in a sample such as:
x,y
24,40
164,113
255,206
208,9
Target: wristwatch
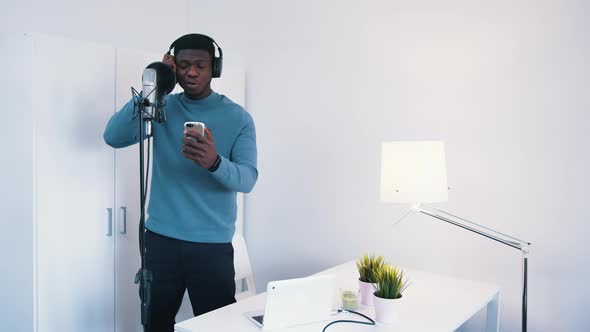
x,y
215,165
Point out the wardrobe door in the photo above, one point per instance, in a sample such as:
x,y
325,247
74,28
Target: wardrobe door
x,y
75,96
16,191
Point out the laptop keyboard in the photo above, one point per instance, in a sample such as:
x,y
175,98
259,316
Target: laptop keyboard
x,y
259,319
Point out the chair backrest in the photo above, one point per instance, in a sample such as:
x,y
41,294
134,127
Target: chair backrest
x,y
244,278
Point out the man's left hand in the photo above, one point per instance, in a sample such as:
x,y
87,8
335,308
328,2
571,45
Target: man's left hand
x,y
203,151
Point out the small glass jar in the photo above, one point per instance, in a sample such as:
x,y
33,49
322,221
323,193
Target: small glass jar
x,y
350,300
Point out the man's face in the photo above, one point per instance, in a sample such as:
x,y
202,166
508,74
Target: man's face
x,y
193,72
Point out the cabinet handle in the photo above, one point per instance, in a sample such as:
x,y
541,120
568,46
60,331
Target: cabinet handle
x,y
124,210
110,227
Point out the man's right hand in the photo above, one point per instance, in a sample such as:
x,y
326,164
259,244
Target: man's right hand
x,y
169,60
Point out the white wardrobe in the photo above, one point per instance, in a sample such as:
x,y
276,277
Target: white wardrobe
x,y
70,203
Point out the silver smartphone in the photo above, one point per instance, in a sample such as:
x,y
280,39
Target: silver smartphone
x,y
198,127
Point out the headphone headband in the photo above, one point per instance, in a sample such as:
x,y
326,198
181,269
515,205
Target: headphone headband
x,y
217,61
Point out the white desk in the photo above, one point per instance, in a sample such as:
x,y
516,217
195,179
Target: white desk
x,y
432,303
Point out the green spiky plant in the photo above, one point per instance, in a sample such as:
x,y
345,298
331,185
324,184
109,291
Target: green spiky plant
x,y
367,265
390,282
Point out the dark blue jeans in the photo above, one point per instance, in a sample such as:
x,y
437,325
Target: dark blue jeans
x,y
205,269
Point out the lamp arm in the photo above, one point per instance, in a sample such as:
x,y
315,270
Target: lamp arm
x,y
473,227
508,240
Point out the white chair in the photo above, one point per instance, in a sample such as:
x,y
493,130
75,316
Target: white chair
x,y
244,278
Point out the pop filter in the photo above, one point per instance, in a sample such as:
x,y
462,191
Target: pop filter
x,y
165,76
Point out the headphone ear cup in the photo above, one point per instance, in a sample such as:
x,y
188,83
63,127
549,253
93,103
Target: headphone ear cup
x,y
217,67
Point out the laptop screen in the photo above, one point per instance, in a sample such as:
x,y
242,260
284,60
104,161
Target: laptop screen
x,y
298,301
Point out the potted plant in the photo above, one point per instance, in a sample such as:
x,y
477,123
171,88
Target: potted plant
x,y
390,284
367,266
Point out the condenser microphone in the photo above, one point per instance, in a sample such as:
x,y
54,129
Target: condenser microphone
x,y
149,92
158,80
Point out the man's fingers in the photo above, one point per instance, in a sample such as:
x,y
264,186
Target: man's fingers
x,y
198,153
190,141
209,134
194,159
195,135
198,160
207,139
196,145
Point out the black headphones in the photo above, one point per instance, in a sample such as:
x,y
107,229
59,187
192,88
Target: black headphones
x,y
217,61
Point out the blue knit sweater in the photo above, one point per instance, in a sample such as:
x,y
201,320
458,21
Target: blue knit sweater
x,y
188,202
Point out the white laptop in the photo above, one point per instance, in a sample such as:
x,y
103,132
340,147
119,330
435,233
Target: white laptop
x,y
296,302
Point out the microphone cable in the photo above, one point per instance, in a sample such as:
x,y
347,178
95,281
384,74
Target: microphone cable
x,y
147,170
370,322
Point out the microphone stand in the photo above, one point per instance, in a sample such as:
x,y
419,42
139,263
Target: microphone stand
x,y
144,276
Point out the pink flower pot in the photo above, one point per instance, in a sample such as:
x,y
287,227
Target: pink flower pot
x,y
366,289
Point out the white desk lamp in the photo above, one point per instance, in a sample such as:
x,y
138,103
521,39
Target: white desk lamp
x,y
414,172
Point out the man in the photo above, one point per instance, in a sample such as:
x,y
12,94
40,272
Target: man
x,y
192,209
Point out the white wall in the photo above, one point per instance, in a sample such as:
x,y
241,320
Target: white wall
x,y
504,83
145,24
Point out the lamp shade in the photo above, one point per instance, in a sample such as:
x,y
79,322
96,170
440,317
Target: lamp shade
x,y
413,172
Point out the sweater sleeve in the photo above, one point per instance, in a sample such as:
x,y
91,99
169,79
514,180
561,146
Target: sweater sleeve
x,y
239,172
122,130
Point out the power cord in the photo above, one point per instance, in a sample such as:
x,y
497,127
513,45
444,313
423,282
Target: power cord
x,y
370,322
